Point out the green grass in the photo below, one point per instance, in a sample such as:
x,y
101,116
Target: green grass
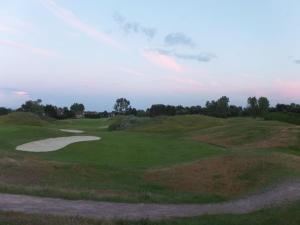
x,y
134,150
114,168
12,136
285,215
21,118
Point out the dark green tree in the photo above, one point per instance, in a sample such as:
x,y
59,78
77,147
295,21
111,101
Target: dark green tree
x,y
253,106
77,109
51,111
33,106
122,105
263,105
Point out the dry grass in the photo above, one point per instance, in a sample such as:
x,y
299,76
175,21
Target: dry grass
x,y
36,176
226,176
277,137
284,138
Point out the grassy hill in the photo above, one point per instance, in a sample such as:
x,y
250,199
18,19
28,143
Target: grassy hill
x,y
22,118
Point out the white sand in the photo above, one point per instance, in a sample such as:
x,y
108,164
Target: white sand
x,y
53,144
72,131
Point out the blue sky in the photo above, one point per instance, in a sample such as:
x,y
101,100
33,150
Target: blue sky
x,y
171,52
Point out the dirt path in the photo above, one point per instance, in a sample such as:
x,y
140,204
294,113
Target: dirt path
x,y
104,210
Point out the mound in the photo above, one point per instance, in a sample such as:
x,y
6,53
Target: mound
x,y
226,176
251,133
22,118
165,123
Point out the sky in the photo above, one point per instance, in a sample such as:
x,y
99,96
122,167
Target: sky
x,y
180,52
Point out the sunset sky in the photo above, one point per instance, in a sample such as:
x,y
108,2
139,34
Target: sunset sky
x,y
169,52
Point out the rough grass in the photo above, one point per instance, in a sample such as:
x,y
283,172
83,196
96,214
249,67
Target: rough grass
x,y
285,215
22,118
74,181
227,176
253,133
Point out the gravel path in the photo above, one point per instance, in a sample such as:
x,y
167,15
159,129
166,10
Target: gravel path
x,y
104,210
53,144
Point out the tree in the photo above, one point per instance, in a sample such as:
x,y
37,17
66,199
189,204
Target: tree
x,y
263,105
131,111
66,113
33,106
4,111
162,110
253,106
122,105
51,111
195,110
223,107
219,108
77,109
235,110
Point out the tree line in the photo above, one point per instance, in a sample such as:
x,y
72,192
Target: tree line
x,y
218,108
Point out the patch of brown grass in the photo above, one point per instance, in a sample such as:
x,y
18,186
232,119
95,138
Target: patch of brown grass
x,y
279,137
216,139
284,138
227,176
33,175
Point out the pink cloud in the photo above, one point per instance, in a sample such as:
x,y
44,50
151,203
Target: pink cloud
x,y
39,51
20,93
72,20
163,61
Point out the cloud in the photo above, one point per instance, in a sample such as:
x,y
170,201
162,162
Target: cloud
x,y
297,61
20,93
201,57
174,39
20,46
133,27
10,97
72,20
163,61
15,26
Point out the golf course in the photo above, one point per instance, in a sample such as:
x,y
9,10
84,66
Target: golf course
x,y
184,160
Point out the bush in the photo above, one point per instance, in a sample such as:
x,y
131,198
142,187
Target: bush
x,y
125,122
287,117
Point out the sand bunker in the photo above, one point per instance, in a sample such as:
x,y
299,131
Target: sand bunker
x,y
53,144
72,131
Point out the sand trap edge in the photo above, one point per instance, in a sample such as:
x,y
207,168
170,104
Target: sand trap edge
x,y
53,144
72,131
